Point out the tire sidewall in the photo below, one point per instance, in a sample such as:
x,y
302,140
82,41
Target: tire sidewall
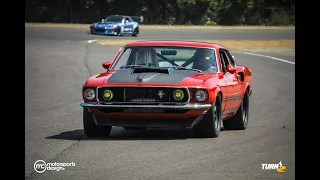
x,y
217,104
245,109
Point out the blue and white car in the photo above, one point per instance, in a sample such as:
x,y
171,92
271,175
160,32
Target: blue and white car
x,y
117,25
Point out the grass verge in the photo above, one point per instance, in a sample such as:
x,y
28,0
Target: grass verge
x,y
160,26
231,44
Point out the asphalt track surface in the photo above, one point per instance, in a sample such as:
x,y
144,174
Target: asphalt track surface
x,y
58,64
79,34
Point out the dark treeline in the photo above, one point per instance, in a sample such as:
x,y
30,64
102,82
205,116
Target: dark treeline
x,y
186,12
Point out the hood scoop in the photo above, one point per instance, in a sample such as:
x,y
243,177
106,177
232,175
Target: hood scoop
x,y
150,70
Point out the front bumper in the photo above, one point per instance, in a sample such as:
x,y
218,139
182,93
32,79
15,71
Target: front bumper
x,y
102,31
107,31
187,106
173,115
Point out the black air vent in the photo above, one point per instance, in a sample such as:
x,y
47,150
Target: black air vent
x,y
150,70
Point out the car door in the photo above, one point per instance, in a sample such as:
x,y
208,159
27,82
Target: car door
x,y
128,25
238,84
232,97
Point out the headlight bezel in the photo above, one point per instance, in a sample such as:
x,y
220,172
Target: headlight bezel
x,y
203,93
86,92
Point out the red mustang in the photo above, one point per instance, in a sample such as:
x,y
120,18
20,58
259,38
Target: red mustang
x,y
168,84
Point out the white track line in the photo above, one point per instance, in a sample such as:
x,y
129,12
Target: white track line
x,y
274,58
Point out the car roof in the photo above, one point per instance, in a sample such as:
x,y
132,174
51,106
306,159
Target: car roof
x,y
175,43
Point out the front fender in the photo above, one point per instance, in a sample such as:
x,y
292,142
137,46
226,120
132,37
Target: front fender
x,y
215,93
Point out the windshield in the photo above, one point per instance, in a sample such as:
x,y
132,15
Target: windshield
x,y
167,57
114,19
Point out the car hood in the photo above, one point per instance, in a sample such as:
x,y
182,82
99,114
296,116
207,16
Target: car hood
x,y
170,78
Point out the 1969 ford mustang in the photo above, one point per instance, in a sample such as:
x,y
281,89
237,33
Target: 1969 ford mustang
x,y
168,84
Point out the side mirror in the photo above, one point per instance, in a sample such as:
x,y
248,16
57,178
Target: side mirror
x,y
106,65
126,21
102,20
231,69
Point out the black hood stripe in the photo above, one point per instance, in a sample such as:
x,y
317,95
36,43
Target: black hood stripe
x,y
174,77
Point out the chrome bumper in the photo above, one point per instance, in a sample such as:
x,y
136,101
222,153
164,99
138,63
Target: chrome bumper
x,y
187,106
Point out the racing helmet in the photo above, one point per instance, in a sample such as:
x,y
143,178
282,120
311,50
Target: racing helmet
x,y
203,59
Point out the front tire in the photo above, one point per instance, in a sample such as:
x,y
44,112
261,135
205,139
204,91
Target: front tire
x,y
240,120
135,32
210,125
117,31
91,129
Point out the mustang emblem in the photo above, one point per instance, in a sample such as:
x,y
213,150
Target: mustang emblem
x,y
161,94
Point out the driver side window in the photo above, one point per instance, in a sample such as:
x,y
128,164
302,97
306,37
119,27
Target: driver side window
x,y
231,58
224,60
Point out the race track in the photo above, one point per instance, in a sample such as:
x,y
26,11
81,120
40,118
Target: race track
x,y
80,34
59,60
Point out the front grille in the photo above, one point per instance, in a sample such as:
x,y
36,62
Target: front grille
x,y
100,30
144,110
142,95
145,94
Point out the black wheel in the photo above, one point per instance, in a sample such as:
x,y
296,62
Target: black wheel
x,y
117,32
91,129
210,125
135,32
240,120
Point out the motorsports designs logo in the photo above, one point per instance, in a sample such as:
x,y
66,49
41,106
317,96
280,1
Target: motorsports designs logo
x,y
40,166
279,167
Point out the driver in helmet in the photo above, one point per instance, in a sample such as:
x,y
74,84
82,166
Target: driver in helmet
x,y
204,60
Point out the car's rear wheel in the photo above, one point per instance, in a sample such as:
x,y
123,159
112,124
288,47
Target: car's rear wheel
x,y
210,125
240,120
91,129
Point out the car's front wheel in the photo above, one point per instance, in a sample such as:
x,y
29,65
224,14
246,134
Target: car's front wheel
x,y
210,125
135,32
90,127
117,31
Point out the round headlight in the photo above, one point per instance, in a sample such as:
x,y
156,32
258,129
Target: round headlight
x,y
201,95
107,95
178,94
89,94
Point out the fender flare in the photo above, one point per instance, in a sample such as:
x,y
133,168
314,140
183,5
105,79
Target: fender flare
x,y
215,93
135,27
246,88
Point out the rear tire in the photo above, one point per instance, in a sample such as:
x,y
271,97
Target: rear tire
x,y
240,120
210,125
91,129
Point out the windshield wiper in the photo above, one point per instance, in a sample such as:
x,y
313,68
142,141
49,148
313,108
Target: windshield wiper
x,y
185,68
